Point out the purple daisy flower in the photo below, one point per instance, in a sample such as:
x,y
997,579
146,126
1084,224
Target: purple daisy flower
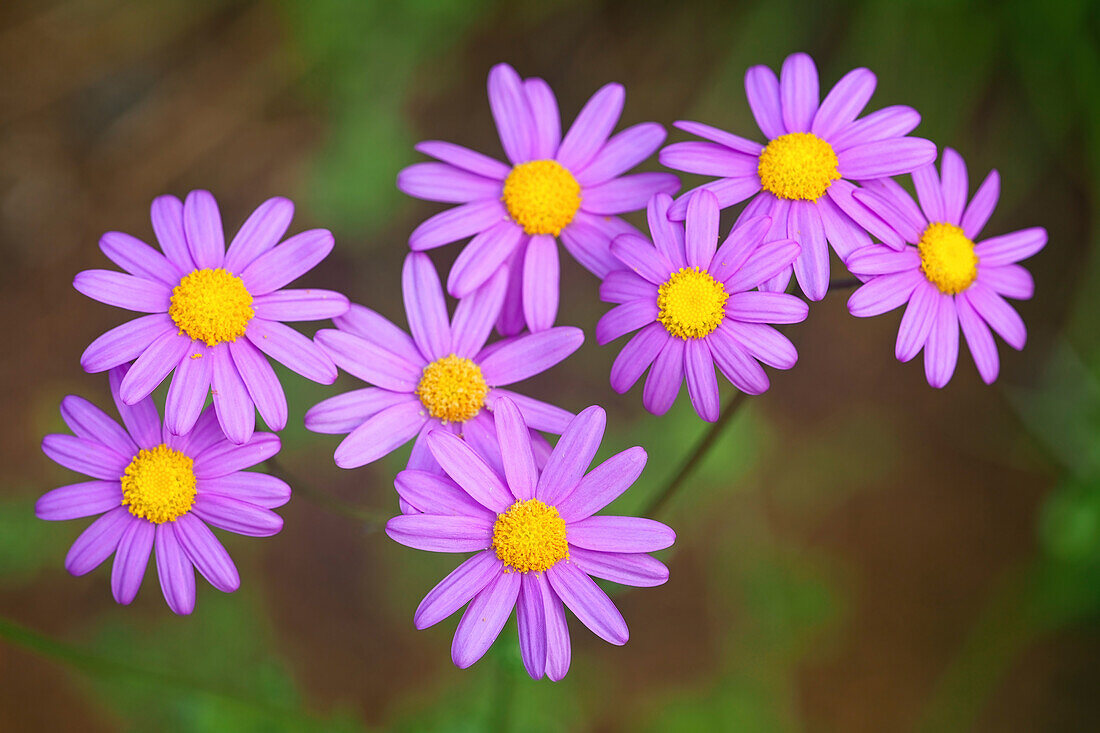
x,y
443,377
569,187
202,299
536,540
695,305
932,263
156,489
813,151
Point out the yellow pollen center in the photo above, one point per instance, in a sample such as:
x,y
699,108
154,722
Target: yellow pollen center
x,y
212,306
947,258
452,389
798,165
691,303
530,536
542,196
159,484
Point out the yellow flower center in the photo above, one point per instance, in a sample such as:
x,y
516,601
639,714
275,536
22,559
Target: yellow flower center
x,y
691,303
542,196
530,536
212,306
947,258
798,165
159,484
452,389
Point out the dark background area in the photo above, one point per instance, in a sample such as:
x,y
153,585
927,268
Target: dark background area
x,y
859,552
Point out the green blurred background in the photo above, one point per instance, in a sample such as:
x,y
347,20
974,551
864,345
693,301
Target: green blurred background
x,y
859,552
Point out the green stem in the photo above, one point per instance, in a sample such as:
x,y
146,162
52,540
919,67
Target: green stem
x,y
657,503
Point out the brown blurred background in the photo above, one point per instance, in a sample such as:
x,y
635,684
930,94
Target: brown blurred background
x,y
859,553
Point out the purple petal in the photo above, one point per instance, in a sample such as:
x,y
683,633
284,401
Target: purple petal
x,y
901,200
588,603
368,362
88,457
469,471
484,618
844,102
537,414
202,224
622,152
381,434
622,319
464,158
665,376
708,159
545,118
729,191
141,418
844,234
177,575
232,404
433,493
882,261
636,357
167,217
124,291
300,305
260,232
483,256
205,434
425,306
76,501
726,139
131,559
1000,316
541,273
572,455
223,457
1009,249
263,386
622,286
88,421
762,90
890,157
153,366
763,343
888,122
745,237
378,330
620,534
234,515
189,388
98,541
531,623
592,126
978,339
842,194
207,554
642,257
735,363
941,350
798,92
259,489
668,237
812,266
138,258
125,343
526,356
627,193
883,293
917,321
343,413
603,484
515,448
769,260
511,112
437,533
636,569
475,315
702,384
757,307
456,590
457,223
284,264
443,182
954,185
927,182
291,349
588,240
557,632
982,205
884,209
1011,281
701,229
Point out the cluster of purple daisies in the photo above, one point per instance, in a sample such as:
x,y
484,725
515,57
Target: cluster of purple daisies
x,y
482,476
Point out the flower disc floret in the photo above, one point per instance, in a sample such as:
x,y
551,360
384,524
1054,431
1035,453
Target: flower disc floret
x,y
530,536
947,258
211,305
159,484
542,196
452,389
798,165
691,303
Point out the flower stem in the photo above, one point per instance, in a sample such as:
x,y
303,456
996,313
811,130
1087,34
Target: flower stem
x,y
657,503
